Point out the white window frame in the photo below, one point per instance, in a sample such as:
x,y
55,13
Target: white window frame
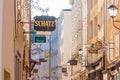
x,y
111,48
116,2
116,38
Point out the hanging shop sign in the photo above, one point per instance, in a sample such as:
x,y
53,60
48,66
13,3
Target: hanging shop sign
x,y
73,62
43,60
44,23
93,51
35,70
64,70
40,39
38,63
98,45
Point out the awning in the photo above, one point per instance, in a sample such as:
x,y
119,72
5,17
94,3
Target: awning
x,y
94,64
113,72
76,76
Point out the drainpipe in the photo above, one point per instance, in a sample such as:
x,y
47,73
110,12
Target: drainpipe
x,y
30,40
104,44
105,33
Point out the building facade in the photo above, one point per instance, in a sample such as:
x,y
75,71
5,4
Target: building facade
x,y
14,43
8,40
83,55
55,58
65,42
22,44
96,35
77,36
44,67
112,39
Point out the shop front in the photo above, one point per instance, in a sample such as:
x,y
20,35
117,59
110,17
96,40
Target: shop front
x,y
75,76
95,70
83,75
114,71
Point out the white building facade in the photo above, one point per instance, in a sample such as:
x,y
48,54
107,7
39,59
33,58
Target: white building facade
x,y
43,67
65,42
55,58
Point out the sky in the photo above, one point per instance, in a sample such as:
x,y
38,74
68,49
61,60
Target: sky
x,y
55,7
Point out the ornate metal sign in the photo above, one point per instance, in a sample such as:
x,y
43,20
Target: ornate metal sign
x,y
64,70
40,39
44,23
98,45
73,62
93,51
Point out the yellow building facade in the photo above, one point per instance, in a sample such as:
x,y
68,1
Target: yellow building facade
x,y
113,48
22,45
95,35
8,41
15,49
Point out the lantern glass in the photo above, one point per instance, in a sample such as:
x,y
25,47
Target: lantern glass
x,y
112,10
80,51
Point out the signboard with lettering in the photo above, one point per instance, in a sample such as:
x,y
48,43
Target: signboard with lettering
x,y
44,23
42,60
73,62
64,70
40,39
93,51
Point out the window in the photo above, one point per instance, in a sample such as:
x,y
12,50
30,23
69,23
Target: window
x,y
116,2
94,1
96,22
117,44
6,75
19,4
118,76
20,70
16,69
111,48
91,25
91,2
110,2
23,59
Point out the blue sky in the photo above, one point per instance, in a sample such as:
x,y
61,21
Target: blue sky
x,y
55,7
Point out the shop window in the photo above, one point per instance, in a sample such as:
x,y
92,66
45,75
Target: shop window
x,y
117,44
91,30
110,2
96,22
116,2
111,48
6,75
118,76
16,69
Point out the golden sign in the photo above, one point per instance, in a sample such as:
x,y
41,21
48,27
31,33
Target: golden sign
x,y
93,51
98,45
44,23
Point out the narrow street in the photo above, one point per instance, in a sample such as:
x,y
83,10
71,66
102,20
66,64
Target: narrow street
x,y
59,40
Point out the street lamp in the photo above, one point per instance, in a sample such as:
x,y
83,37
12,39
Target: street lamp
x,y
80,51
113,12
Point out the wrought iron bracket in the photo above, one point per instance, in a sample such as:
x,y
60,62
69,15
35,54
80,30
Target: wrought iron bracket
x,y
114,23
